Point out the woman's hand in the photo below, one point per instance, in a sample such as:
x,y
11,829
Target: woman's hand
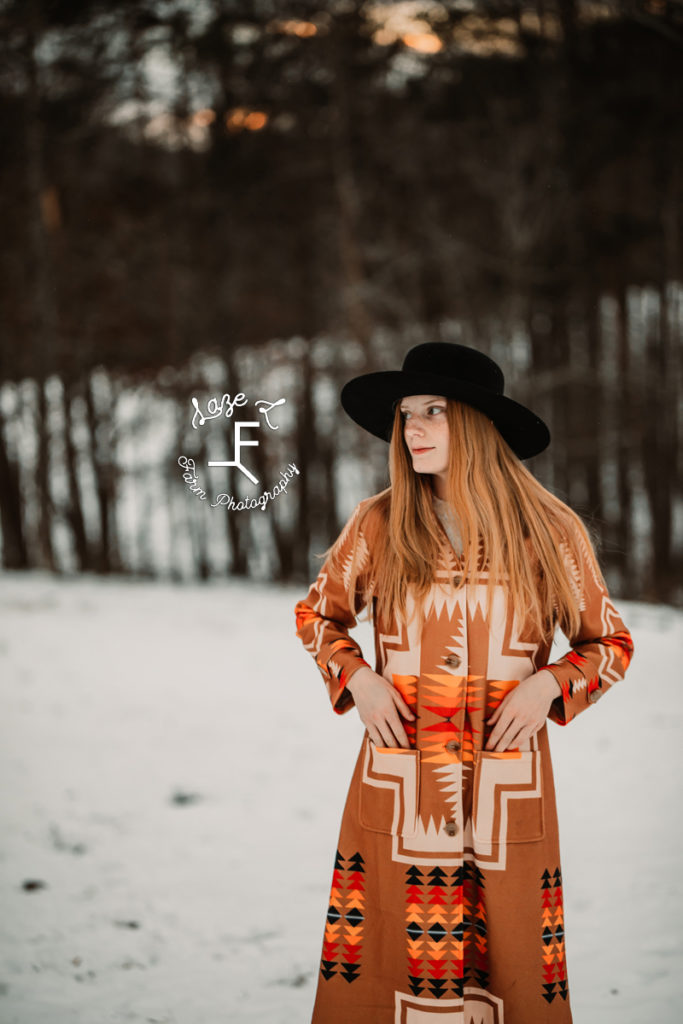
x,y
523,711
379,706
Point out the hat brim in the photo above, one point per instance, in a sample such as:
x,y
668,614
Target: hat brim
x,y
369,401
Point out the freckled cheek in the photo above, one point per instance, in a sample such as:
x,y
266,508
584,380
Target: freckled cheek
x,y
443,438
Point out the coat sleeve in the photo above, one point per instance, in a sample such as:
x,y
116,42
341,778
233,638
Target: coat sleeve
x,y
601,649
323,617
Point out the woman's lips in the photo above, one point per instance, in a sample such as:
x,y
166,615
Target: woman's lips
x,y
419,451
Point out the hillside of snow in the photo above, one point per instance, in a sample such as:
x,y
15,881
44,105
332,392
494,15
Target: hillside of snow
x,y
173,778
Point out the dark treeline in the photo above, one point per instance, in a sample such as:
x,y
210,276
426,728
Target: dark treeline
x,y
272,197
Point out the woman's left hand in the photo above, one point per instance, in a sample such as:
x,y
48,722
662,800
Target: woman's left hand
x,y
523,711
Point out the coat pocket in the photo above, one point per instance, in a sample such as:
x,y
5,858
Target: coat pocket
x,y
389,791
507,805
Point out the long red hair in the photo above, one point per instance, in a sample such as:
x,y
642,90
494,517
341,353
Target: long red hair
x,y
509,524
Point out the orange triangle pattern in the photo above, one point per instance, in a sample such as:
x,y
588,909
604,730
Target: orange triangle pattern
x,y
446,944
343,937
554,969
407,687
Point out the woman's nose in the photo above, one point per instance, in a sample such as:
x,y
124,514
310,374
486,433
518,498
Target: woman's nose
x,y
414,425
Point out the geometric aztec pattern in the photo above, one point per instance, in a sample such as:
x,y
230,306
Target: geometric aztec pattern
x,y
446,930
552,926
342,943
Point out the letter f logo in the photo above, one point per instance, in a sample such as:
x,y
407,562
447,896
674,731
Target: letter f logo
x,y
239,444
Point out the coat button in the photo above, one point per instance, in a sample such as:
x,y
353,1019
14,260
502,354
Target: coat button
x,y
453,660
451,828
452,745
594,695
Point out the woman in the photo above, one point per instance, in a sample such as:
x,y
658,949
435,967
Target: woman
x,y
446,897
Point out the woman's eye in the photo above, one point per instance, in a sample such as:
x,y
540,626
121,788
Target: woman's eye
x,y
438,408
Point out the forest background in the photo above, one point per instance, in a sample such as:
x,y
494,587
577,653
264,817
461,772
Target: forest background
x,y
268,198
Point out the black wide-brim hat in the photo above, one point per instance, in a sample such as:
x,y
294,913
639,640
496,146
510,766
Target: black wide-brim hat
x,y
453,371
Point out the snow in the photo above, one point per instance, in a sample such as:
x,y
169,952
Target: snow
x,y
174,774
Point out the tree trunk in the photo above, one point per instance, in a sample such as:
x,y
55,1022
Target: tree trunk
x,y
305,454
624,426
656,455
74,509
14,550
42,308
238,561
593,410
107,559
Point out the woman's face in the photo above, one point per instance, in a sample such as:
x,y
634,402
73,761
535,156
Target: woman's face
x,y
425,430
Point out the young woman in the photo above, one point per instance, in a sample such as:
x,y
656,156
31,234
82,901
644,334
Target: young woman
x,y
446,896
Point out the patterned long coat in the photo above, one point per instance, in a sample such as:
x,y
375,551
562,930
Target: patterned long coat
x,y
446,895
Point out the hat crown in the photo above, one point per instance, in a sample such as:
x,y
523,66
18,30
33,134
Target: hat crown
x,y
446,359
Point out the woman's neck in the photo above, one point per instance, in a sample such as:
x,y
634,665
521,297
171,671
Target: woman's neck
x,y
439,485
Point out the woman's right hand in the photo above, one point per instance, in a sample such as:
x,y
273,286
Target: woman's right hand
x,y
380,706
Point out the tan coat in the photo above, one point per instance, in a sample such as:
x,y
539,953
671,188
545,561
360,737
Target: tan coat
x,y
446,894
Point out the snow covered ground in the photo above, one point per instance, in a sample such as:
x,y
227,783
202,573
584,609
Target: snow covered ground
x,y
173,778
